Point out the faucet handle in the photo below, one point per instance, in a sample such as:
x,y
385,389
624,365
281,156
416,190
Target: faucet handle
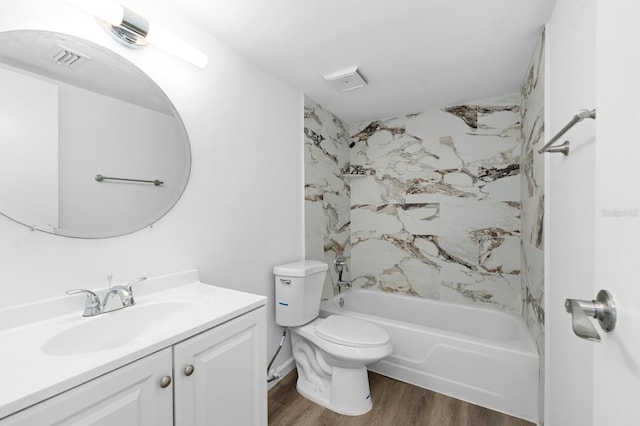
x,y
130,301
92,305
132,282
339,263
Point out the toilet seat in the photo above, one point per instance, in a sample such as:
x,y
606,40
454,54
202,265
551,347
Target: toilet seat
x,y
345,354
351,332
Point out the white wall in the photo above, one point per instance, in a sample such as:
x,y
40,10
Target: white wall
x,y
569,210
242,211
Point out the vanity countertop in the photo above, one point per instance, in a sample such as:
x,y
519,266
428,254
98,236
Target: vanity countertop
x,y
40,356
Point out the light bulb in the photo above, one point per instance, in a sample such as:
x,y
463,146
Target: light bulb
x,y
166,41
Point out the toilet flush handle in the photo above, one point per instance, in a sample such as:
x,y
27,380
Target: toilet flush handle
x,y
284,281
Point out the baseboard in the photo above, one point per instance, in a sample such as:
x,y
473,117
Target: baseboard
x,y
283,369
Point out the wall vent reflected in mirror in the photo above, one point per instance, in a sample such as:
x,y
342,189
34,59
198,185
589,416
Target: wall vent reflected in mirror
x,y
71,108
64,56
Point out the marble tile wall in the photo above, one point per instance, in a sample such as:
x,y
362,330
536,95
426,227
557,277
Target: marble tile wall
x,y
533,197
434,204
533,192
436,209
445,204
327,193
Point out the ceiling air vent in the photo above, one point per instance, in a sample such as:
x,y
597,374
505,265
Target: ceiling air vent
x,y
66,57
346,80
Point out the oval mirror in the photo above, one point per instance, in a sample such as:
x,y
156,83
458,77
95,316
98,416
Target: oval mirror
x,y
70,112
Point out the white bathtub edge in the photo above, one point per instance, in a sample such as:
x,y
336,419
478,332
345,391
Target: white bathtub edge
x,y
437,384
510,367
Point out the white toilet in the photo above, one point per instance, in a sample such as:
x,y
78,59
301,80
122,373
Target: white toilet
x,y
331,353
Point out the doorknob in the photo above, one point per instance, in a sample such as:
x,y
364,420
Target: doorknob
x,y
603,309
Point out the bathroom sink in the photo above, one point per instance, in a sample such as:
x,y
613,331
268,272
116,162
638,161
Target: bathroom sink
x,y
60,349
118,328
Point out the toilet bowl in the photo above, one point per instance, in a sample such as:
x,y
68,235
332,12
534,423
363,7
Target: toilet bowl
x,y
332,368
331,354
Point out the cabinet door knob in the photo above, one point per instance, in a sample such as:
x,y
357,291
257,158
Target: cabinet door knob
x,y
188,370
165,381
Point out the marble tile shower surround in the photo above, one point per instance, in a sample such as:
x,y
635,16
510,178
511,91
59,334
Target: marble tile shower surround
x,y
327,191
437,212
439,208
532,187
447,204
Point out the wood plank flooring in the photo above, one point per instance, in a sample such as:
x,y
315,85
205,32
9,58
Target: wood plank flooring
x,y
394,404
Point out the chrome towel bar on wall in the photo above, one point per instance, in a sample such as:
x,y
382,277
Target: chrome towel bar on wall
x,y
156,182
564,147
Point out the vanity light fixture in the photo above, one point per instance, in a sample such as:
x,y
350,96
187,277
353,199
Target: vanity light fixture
x,y
136,31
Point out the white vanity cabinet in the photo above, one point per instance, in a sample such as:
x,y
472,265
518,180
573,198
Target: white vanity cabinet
x,y
130,395
217,377
220,375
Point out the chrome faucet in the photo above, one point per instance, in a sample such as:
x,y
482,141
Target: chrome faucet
x,y
340,265
126,299
94,307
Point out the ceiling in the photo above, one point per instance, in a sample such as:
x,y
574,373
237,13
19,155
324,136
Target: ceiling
x,y
415,54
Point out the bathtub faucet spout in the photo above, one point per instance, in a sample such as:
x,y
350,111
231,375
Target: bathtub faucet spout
x,y
341,284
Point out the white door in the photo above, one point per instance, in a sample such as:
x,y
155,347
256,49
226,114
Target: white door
x,y
569,246
617,245
593,211
593,216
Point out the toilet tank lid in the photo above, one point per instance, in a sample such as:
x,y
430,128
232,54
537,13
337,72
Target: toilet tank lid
x,y
303,268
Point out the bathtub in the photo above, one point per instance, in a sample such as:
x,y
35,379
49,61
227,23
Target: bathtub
x,y
481,356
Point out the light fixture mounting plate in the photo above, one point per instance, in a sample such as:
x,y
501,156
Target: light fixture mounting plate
x,y
126,37
132,30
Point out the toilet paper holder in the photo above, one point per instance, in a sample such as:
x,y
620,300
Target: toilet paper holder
x,y
602,308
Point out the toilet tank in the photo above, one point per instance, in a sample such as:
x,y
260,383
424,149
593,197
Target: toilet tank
x,y
298,289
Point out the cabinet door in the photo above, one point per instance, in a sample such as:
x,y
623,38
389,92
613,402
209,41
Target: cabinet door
x,y
128,396
228,383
